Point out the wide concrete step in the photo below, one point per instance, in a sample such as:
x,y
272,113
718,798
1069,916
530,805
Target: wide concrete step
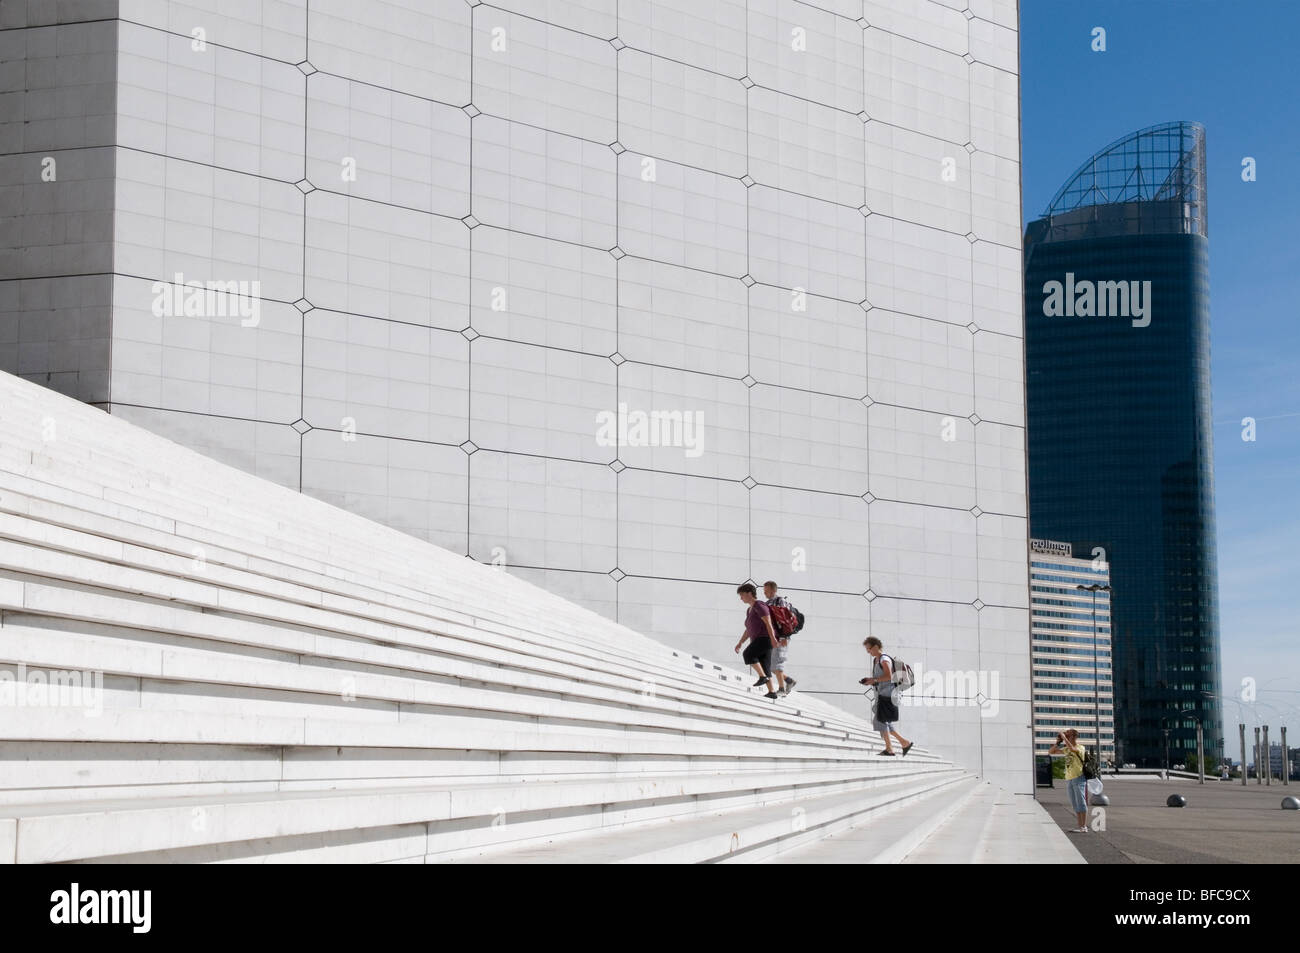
x,y
977,823
71,771
890,841
995,827
60,832
749,836
197,760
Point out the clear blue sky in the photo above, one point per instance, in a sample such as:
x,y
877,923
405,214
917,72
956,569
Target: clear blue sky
x,y
1231,65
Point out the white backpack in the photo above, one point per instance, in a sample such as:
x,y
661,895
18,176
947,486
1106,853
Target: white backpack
x,y
902,676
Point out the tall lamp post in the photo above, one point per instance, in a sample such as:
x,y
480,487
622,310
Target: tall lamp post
x,y
1200,742
1096,690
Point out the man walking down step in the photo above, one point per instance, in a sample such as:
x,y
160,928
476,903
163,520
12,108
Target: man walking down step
x,y
781,653
761,636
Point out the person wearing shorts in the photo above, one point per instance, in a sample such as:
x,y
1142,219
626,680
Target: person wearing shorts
x,y
1076,785
780,654
882,676
760,634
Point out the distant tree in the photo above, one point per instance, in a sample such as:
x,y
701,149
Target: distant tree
x,y
1210,766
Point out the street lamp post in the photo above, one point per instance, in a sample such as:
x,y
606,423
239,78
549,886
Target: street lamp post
x,y
1241,728
1268,758
1258,778
1200,743
1286,762
1094,588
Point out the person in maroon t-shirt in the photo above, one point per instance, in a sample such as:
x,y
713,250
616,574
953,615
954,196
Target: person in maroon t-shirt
x,y
759,632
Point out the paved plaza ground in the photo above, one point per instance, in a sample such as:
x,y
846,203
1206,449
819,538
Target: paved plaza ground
x,y
1223,822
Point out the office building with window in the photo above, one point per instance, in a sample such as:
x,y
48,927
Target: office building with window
x,y
1117,347
1070,613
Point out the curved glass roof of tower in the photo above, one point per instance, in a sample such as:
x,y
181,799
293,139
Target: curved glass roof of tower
x,y
1119,420
1148,182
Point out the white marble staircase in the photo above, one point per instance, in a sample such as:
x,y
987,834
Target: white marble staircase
x,y
285,681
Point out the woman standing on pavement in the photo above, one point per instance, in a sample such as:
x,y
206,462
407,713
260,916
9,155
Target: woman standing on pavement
x,y
1076,785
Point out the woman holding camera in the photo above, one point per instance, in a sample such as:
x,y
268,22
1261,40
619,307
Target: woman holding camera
x,y
1076,785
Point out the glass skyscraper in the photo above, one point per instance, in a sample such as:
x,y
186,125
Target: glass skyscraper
x,y
1119,426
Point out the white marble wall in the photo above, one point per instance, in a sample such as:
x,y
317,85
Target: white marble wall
x,y
800,221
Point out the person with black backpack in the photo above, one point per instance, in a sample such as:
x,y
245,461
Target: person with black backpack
x,y
1077,767
884,713
787,620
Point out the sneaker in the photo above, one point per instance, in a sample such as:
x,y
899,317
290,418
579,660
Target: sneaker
x,y
772,695
761,681
1078,830
789,685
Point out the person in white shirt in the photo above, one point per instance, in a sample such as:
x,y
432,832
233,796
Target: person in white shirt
x,y
884,713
